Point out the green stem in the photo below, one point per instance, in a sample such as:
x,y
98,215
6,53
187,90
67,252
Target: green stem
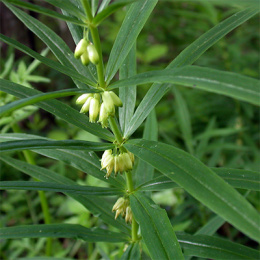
x,y
115,129
44,204
97,44
130,188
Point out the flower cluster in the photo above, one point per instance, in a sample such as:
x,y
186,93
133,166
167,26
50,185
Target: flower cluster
x,y
122,207
119,163
87,52
102,105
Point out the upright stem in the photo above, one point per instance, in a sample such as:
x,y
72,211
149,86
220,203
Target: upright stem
x,y
102,84
130,187
96,41
44,203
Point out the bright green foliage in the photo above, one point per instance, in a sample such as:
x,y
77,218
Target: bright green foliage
x,y
99,187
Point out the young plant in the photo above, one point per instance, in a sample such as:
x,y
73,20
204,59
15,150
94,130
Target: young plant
x,y
114,119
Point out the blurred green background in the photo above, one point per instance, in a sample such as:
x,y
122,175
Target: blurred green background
x,y
221,130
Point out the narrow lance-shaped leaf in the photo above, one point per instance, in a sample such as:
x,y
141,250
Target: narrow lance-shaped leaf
x,y
53,41
156,228
242,179
68,6
62,231
135,19
54,187
51,144
87,162
127,94
215,248
200,182
41,97
52,64
132,252
187,57
101,16
45,11
93,203
221,82
57,108
144,171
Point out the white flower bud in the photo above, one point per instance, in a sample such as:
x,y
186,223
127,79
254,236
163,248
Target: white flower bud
x,y
93,54
84,58
93,110
83,98
121,163
108,102
80,48
103,116
128,215
117,101
86,105
132,157
119,203
127,162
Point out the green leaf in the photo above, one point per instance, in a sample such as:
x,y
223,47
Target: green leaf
x,y
156,228
68,6
132,252
242,179
58,109
62,231
87,162
103,5
101,16
52,64
144,171
183,117
45,11
226,83
93,203
187,57
211,227
127,94
135,19
200,182
54,187
214,248
54,42
49,144
230,2
41,97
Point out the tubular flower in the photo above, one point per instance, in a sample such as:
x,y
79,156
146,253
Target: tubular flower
x,y
91,103
93,54
122,207
119,163
81,48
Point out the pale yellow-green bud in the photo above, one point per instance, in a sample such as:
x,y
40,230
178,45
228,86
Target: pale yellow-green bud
x,y
93,54
116,164
121,163
118,212
119,204
106,154
84,58
83,98
103,116
80,48
132,157
108,160
128,215
127,162
85,107
108,102
93,110
109,169
117,101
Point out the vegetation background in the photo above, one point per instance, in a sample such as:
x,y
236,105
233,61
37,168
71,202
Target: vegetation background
x,y
216,129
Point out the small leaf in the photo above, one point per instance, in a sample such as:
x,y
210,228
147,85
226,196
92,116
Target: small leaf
x,y
132,252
